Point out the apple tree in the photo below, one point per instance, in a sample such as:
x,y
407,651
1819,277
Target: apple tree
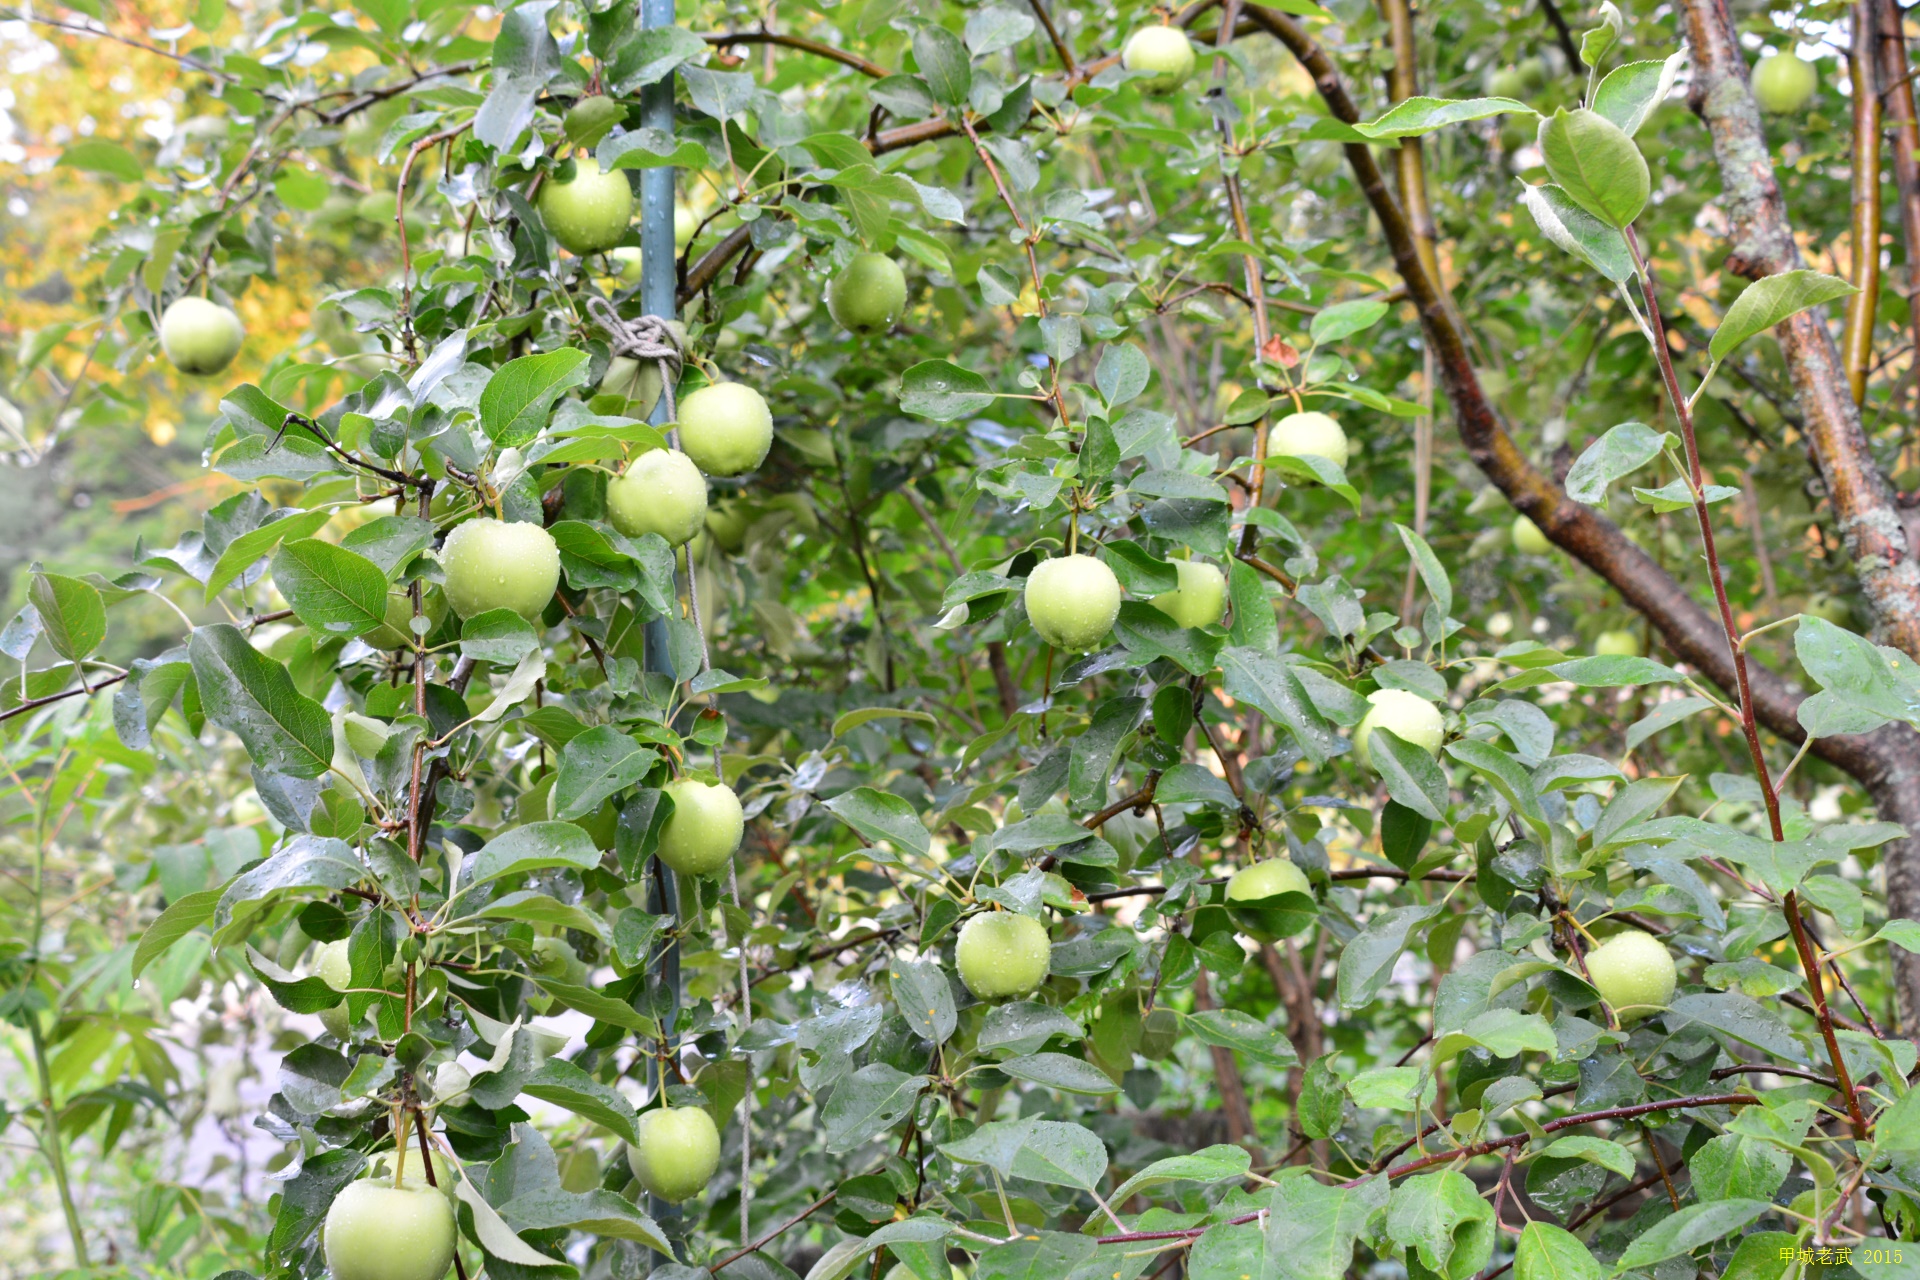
x,y
861,653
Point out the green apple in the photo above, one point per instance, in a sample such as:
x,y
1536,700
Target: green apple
x,y
1072,601
628,263
678,1151
1266,879
335,967
705,828
726,428
397,631
1617,644
200,337
1784,83
1506,82
1164,54
1003,953
1832,608
491,564
1201,598
1527,538
868,295
662,492
1309,435
728,524
1408,716
590,213
377,1231
637,380
1633,973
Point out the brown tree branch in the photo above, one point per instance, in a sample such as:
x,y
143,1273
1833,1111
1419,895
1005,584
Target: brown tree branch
x,y
820,49
1897,78
1856,344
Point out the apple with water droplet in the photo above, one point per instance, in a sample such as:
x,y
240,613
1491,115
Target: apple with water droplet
x,y
1163,53
378,1231
493,564
662,492
868,294
590,213
200,337
1003,953
1634,974
1072,601
726,428
704,829
678,1151
1408,716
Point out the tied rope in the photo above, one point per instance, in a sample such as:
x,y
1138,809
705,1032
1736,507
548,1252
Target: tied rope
x,y
644,338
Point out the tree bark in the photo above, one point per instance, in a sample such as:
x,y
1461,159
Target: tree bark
x,y
1904,128
1857,343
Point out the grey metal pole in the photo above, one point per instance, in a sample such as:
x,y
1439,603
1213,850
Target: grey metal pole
x,y
658,296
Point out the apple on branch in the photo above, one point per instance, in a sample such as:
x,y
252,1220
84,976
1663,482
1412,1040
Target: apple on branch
x,y
1003,953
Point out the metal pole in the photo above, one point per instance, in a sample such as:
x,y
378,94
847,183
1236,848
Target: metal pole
x,y
658,289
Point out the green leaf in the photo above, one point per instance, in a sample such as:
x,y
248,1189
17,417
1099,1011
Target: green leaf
x,y
1608,1155
1622,451
1433,575
565,1085
1578,232
389,541
1209,1164
1547,1252
925,1000
253,697
1059,1071
1344,319
1149,634
1271,685
1596,164
335,592
1412,117
1595,42
1734,1166
867,715
518,398
534,847
1629,94
867,1103
1766,302
1244,1033
499,636
1414,779
595,765
1687,1230
72,615
1311,1228
1122,373
943,64
182,917
1369,955
1441,1217
281,526
943,391
97,155
881,815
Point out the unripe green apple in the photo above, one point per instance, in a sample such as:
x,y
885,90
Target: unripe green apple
x,y
1072,601
491,564
1163,53
637,380
337,1021
377,1231
728,524
590,213
1527,538
335,967
1506,82
1408,716
1309,435
662,492
1003,953
628,263
1201,598
726,428
200,337
678,1151
705,828
1784,83
1832,608
868,295
1266,879
1633,973
397,631
1617,644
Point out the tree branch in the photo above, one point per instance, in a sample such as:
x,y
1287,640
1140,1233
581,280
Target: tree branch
x,y
818,48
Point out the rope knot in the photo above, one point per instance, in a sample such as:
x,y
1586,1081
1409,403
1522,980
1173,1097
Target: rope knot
x,y
642,338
